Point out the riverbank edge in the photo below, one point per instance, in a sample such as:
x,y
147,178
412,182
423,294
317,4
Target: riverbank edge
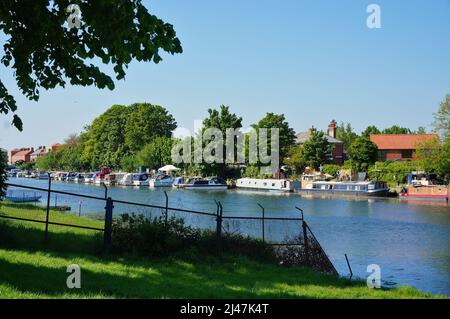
x,y
32,270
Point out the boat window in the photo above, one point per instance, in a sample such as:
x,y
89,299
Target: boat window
x,y
201,182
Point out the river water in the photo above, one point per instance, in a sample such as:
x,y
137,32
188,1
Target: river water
x,y
409,240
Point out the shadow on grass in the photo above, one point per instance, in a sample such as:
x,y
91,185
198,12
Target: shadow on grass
x,y
45,273
30,236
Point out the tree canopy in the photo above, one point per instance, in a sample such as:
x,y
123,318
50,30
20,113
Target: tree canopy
x,y
362,153
442,118
395,129
287,134
221,119
44,53
317,149
113,138
369,131
155,154
345,133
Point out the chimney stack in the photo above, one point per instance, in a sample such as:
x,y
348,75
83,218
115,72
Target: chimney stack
x,y
332,129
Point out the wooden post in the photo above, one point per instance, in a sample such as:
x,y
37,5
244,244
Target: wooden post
x,y
48,207
108,226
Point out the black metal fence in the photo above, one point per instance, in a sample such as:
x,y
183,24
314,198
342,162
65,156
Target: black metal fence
x,y
303,246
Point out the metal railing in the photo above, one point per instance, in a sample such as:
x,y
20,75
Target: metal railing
x,y
308,239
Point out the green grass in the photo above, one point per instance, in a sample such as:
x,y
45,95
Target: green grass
x,y
30,268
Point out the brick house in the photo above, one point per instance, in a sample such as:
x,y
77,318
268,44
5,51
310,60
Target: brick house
x,y
399,147
39,152
337,156
22,155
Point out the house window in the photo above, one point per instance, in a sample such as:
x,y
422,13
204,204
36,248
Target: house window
x,y
408,154
382,156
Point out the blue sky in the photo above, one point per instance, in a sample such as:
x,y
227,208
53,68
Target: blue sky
x,y
311,60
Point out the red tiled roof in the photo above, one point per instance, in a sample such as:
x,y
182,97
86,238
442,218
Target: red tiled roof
x,y
400,141
23,153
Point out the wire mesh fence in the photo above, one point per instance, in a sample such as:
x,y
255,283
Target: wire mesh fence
x,y
291,237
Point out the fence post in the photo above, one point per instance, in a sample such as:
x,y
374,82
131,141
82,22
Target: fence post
x,y
219,225
167,208
106,191
108,225
349,267
305,241
263,216
48,207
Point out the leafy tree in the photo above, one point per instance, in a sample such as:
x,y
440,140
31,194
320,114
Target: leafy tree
x,y
421,130
50,161
129,163
44,53
221,119
442,118
3,176
287,134
317,149
331,169
156,154
395,129
370,130
345,133
296,159
428,154
443,165
25,166
145,121
362,152
104,141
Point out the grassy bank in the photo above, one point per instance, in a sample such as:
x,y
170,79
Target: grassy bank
x,y
30,268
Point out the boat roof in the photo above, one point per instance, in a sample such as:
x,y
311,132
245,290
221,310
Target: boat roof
x,y
342,183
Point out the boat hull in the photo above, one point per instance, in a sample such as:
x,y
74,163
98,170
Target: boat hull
x,y
376,193
206,187
425,197
26,199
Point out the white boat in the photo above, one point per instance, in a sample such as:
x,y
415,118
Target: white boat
x,y
71,177
89,178
126,180
42,175
214,183
161,180
179,182
79,178
141,179
283,185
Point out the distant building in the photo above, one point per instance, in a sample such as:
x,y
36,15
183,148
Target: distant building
x,y
337,156
54,147
20,155
399,147
39,152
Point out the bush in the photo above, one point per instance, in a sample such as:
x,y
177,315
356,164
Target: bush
x,y
331,169
395,173
152,237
